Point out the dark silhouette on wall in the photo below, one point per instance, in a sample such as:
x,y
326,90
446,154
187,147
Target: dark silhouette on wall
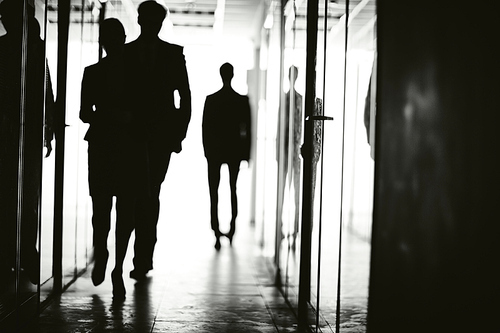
x,y
291,150
226,140
113,171
155,71
435,242
26,111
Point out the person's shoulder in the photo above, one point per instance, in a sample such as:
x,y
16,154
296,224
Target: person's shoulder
x,y
93,69
220,95
241,97
174,48
212,97
131,46
93,73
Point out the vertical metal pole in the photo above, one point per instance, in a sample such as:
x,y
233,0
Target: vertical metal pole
x,y
60,121
307,152
281,180
102,15
339,274
320,222
21,159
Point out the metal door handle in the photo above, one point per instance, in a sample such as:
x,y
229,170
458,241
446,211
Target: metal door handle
x,y
322,118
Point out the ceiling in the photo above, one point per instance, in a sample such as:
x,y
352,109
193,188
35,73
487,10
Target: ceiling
x,y
197,21
200,21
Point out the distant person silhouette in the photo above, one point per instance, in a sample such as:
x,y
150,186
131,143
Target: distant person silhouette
x,y
156,71
291,152
226,132
116,158
24,85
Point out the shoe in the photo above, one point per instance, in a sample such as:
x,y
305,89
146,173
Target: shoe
x,y
118,286
138,274
217,244
230,237
99,270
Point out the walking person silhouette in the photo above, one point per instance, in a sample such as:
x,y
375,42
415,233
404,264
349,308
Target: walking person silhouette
x,y
116,158
226,133
156,71
292,144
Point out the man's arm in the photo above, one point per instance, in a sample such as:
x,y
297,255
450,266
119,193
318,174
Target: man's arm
x,y
185,95
247,130
86,105
49,113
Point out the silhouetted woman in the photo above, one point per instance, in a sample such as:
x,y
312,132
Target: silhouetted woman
x,y
113,153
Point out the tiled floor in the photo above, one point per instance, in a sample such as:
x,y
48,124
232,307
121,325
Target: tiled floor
x,y
188,291
201,290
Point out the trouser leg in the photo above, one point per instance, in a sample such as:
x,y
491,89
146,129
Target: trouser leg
x,y
125,209
101,219
30,260
296,185
213,186
148,211
101,216
234,169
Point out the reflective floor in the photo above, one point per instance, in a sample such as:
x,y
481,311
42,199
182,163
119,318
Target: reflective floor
x,y
192,291
192,288
202,291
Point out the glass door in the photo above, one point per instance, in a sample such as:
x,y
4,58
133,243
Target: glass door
x,y
342,231
316,130
323,139
338,172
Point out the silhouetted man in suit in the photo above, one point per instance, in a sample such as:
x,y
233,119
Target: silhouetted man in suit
x,y
226,140
156,70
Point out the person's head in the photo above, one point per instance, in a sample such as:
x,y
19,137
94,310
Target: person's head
x,y
226,73
293,72
151,17
112,35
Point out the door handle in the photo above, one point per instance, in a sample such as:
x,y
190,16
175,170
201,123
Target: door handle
x,y
322,118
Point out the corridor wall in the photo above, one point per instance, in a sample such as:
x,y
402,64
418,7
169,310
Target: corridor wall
x,y
435,234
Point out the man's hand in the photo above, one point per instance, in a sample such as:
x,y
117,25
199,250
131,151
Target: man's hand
x,y
48,145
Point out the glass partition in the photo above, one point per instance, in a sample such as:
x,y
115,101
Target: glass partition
x,y
82,51
26,104
348,166
48,171
358,164
290,140
266,163
342,155
328,136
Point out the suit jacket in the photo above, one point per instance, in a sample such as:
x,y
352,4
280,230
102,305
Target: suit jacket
x,y
226,126
117,158
102,101
296,113
155,72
